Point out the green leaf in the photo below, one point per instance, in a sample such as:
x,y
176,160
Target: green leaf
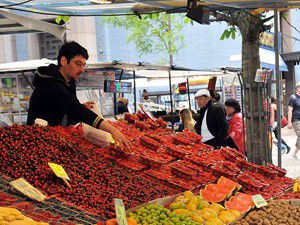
x,y
58,19
284,15
66,18
227,34
224,35
233,34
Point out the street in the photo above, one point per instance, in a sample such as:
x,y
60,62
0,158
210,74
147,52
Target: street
x,y
289,163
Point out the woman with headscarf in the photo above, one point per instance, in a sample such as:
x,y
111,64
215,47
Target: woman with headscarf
x,y
235,120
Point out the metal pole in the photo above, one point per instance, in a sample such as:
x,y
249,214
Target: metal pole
x,y
188,89
115,104
171,100
254,151
134,91
19,102
261,149
278,85
239,74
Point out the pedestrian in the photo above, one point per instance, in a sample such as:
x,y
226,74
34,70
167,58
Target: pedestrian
x,y
145,96
294,116
187,121
236,132
274,126
54,97
211,123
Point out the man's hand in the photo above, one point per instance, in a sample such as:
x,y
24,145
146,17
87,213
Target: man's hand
x,y
290,125
120,139
89,105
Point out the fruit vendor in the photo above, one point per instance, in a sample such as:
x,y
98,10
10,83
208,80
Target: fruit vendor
x,y
54,97
211,123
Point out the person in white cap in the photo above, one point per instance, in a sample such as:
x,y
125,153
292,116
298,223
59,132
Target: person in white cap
x,y
211,123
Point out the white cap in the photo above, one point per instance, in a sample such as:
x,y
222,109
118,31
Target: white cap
x,y
40,122
202,92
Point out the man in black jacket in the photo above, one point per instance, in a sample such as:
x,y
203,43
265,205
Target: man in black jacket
x,y
211,122
54,97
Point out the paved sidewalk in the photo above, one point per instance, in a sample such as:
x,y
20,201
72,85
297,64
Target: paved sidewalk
x,y
291,164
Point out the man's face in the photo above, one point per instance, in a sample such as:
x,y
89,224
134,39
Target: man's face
x,y
75,67
202,101
298,89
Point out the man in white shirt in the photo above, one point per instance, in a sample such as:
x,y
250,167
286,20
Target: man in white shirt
x,y
211,122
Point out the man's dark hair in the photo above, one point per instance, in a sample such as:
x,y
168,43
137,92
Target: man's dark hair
x,y
273,100
70,50
233,103
214,95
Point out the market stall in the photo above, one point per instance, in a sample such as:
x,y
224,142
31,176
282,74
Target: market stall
x,y
161,163
212,186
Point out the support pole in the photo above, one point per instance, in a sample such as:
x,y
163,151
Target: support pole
x,y
239,74
115,104
171,99
188,89
134,91
278,84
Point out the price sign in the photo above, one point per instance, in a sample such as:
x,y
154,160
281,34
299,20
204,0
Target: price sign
x,y
120,211
59,171
259,201
27,189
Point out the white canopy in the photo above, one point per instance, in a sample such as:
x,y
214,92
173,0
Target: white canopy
x,y
148,71
25,65
14,23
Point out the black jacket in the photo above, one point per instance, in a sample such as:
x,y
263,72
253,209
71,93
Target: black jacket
x,y
216,122
53,98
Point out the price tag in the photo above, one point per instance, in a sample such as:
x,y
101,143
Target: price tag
x,y
59,171
27,189
120,211
259,201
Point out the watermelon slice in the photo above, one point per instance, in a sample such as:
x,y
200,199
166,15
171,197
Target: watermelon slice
x,y
227,182
242,208
243,198
212,196
220,188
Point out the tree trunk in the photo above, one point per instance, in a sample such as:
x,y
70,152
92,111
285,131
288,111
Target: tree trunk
x,y
256,120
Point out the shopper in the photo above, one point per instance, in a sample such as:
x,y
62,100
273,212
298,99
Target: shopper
x,y
274,126
122,105
54,97
187,121
145,96
211,123
215,96
236,130
294,116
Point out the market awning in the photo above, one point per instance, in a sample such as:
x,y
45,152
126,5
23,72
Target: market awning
x,y
291,57
24,65
267,59
119,7
11,23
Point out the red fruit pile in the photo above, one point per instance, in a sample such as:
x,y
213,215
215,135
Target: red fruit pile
x,y
95,180
290,195
160,163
